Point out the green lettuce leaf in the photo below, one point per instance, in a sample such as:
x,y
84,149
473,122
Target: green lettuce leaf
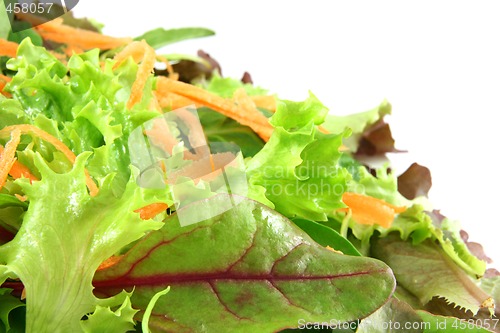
x,y
327,236
85,109
226,87
160,37
415,223
491,285
8,304
427,271
11,201
297,171
394,316
65,236
219,128
4,22
442,324
149,309
246,270
357,123
105,320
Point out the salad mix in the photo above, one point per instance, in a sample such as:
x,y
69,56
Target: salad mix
x,y
125,206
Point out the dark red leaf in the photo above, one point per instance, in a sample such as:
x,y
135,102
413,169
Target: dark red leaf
x,y
415,182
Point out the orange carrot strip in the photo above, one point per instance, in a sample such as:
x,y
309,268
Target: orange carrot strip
x,y
323,130
8,156
22,198
70,50
265,102
109,262
5,93
170,68
146,67
19,170
250,117
173,101
5,78
370,210
150,211
8,48
135,50
56,31
28,129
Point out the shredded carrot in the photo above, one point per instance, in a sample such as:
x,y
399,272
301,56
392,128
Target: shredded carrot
x,y
8,48
2,86
56,31
111,261
70,50
138,50
248,116
370,210
8,156
266,102
19,170
170,69
30,129
151,211
323,130
5,78
22,198
173,101
333,250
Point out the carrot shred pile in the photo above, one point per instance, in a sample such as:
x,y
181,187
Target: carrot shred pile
x,y
240,109
30,129
83,39
139,51
150,211
8,48
369,210
8,156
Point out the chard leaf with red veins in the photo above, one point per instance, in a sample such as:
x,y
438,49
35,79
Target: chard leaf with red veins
x,y
247,270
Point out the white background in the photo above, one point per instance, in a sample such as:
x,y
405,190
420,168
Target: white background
x,y
437,62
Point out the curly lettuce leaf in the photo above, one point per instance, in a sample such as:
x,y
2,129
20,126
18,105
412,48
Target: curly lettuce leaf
x,y
226,87
443,324
105,320
427,271
357,123
297,171
81,103
65,236
415,223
